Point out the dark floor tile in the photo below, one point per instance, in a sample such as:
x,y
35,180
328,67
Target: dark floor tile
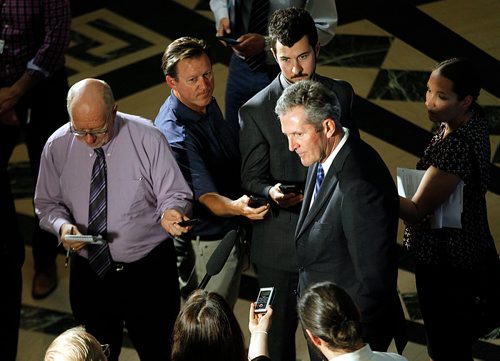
x,y
355,51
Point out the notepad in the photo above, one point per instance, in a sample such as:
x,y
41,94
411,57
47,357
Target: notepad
x,y
449,214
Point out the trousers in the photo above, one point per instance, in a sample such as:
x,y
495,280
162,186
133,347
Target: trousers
x,y
143,296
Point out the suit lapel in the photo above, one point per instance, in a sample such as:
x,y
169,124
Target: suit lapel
x,y
308,191
307,216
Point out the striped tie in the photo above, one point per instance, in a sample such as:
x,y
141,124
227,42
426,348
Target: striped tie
x,y
99,255
320,175
258,24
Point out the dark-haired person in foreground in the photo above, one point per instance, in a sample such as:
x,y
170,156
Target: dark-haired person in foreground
x,y
333,327
207,329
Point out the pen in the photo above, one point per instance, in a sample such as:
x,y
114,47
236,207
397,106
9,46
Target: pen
x,y
68,252
67,258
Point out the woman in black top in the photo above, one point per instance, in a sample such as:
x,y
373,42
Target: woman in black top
x,y
449,260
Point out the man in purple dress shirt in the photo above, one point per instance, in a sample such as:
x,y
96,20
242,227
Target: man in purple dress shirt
x,y
146,197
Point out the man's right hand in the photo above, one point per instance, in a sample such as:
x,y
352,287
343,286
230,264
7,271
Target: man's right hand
x,y
9,118
284,200
70,229
224,27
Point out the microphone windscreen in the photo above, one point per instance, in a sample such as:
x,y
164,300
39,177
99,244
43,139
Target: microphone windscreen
x,y
221,253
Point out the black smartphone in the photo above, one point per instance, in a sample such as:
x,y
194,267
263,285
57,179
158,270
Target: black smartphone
x,y
256,202
264,299
291,188
188,222
230,41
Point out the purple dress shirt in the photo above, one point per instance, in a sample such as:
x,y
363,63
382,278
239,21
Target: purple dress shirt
x,y
143,181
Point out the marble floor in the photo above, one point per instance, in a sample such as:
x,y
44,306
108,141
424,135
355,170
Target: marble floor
x,y
385,52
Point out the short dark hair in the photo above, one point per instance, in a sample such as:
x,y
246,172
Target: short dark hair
x,y
182,48
330,314
290,25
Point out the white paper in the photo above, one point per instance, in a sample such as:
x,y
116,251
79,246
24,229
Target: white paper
x,y
449,214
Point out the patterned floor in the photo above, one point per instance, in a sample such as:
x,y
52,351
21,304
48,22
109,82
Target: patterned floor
x,y
384,50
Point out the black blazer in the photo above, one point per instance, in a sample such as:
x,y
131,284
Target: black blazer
x,y
349,235
266,161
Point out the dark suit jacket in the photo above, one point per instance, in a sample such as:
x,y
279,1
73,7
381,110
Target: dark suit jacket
x,y
348,236
266,161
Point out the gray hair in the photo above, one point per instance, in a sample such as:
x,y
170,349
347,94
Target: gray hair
x,y
75,344
318,101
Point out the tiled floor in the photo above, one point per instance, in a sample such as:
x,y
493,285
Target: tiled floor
x,y
384,52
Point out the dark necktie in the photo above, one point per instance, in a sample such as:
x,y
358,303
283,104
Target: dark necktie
x,y
258,24
99,255
320,175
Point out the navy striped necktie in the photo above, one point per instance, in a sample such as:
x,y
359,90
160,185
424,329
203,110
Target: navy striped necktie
x,y
99,255
320,175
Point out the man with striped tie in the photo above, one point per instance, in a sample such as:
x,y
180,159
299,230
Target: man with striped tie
x,y
113,175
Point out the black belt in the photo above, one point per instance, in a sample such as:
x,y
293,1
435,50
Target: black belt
x,y
212,237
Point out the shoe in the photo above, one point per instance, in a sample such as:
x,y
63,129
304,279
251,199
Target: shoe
x,y
44,282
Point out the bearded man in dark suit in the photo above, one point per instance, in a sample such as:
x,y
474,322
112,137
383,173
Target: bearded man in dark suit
x,y
267,164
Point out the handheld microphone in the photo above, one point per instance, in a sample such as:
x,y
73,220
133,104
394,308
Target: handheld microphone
x,y
219,257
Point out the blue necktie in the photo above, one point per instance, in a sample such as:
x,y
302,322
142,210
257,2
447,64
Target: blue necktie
x,y
320,175
99,255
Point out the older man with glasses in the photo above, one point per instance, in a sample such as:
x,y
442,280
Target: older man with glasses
x,y
113,175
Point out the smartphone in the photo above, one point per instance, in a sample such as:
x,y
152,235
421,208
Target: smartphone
x,y
85,238
291,188
256,202
188,222
264,299
230,41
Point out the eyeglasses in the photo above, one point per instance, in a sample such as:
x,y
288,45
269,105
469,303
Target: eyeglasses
x,y
83,133
105,349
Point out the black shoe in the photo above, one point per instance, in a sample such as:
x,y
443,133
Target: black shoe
x,y
44,282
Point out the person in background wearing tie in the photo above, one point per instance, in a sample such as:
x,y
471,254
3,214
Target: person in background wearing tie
x,y
347,228
113,174
252,67
267,164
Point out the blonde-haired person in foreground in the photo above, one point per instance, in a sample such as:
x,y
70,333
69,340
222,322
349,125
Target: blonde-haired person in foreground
x,y
76,344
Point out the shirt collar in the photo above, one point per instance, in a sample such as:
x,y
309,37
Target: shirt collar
x,y
187,113
285,83
329,160
364,353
